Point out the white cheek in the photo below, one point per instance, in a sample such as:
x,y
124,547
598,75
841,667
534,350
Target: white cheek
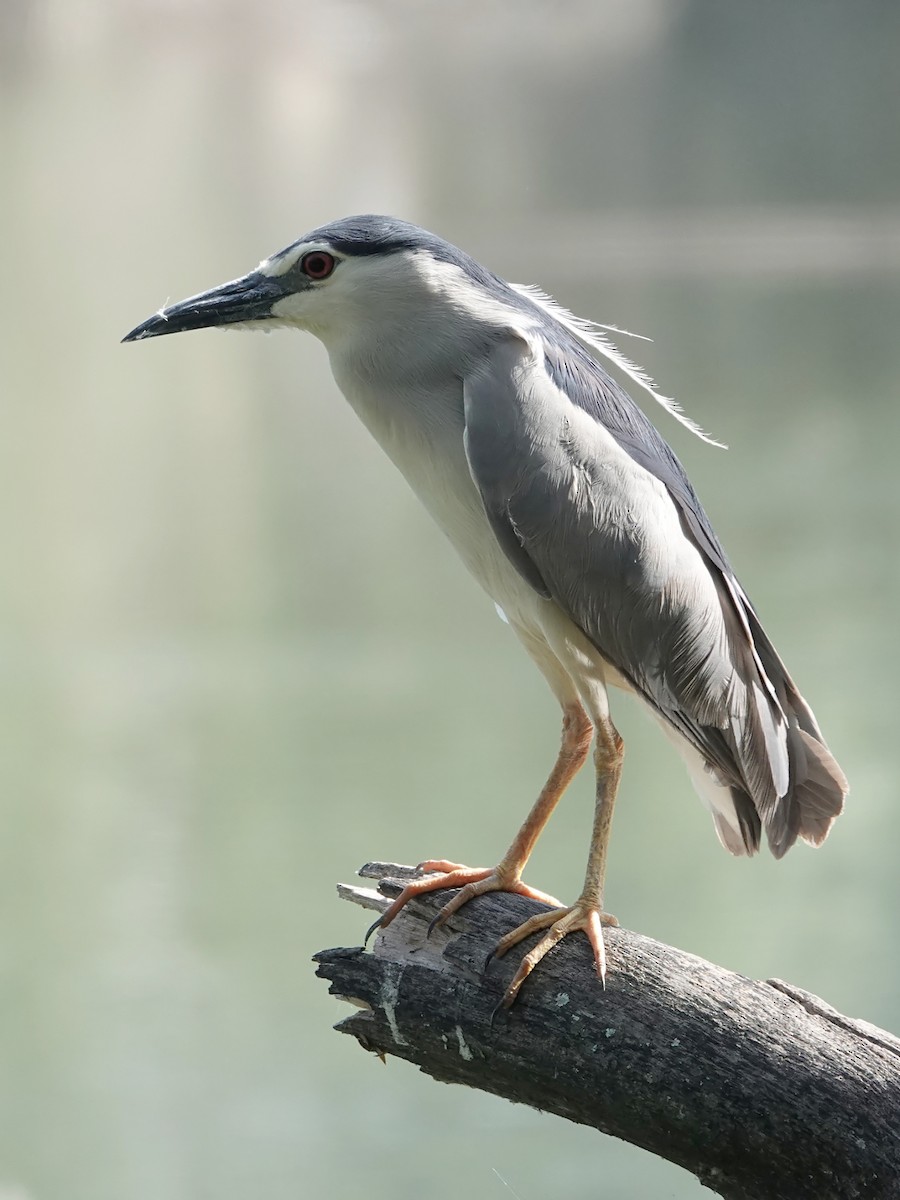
x,y
294,308
322,309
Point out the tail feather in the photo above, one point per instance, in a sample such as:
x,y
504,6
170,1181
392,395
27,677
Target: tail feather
x,y
742,838
821,795
783,778
787,771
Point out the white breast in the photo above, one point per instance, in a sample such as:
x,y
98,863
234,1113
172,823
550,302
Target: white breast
x,y
425,443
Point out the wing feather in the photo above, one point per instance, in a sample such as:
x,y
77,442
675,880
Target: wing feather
x,y
593,508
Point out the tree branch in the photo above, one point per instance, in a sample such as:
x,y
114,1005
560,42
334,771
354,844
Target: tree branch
x,y
760,1089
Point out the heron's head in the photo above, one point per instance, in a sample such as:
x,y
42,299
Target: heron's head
x,y
372,269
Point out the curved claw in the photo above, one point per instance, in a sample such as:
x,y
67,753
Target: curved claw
x,y
495,1012
371,930
435,921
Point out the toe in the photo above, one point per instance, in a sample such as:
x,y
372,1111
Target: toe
x,y
533,925
458,877
531,960
593,928
522,889
561,922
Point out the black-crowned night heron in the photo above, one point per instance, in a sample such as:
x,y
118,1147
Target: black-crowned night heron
x,y
575,517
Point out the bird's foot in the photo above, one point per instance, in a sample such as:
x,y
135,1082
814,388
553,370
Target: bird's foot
x,y
584,915
472,881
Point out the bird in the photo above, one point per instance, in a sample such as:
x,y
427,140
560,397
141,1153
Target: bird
x,y
576,518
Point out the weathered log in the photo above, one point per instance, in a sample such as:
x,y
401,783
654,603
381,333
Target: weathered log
x,y
760,1089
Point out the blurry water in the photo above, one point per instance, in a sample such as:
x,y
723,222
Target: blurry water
x,y
237,661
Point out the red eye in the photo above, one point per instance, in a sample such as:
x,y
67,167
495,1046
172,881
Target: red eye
x,y
317,264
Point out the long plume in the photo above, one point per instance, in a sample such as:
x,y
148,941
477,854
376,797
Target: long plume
x,y
592,334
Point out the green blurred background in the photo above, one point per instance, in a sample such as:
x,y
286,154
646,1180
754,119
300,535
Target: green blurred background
x,y
237,661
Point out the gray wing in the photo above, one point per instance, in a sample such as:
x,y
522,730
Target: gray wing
x,y
596,512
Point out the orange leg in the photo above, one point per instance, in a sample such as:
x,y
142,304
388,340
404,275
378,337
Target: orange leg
x,y
506,876
587,912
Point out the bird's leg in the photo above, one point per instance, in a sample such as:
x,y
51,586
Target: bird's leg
x,y
577,731
587,912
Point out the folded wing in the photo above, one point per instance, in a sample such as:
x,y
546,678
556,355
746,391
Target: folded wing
x,y
594,510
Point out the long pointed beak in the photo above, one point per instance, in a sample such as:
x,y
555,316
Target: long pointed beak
x,y
247,299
